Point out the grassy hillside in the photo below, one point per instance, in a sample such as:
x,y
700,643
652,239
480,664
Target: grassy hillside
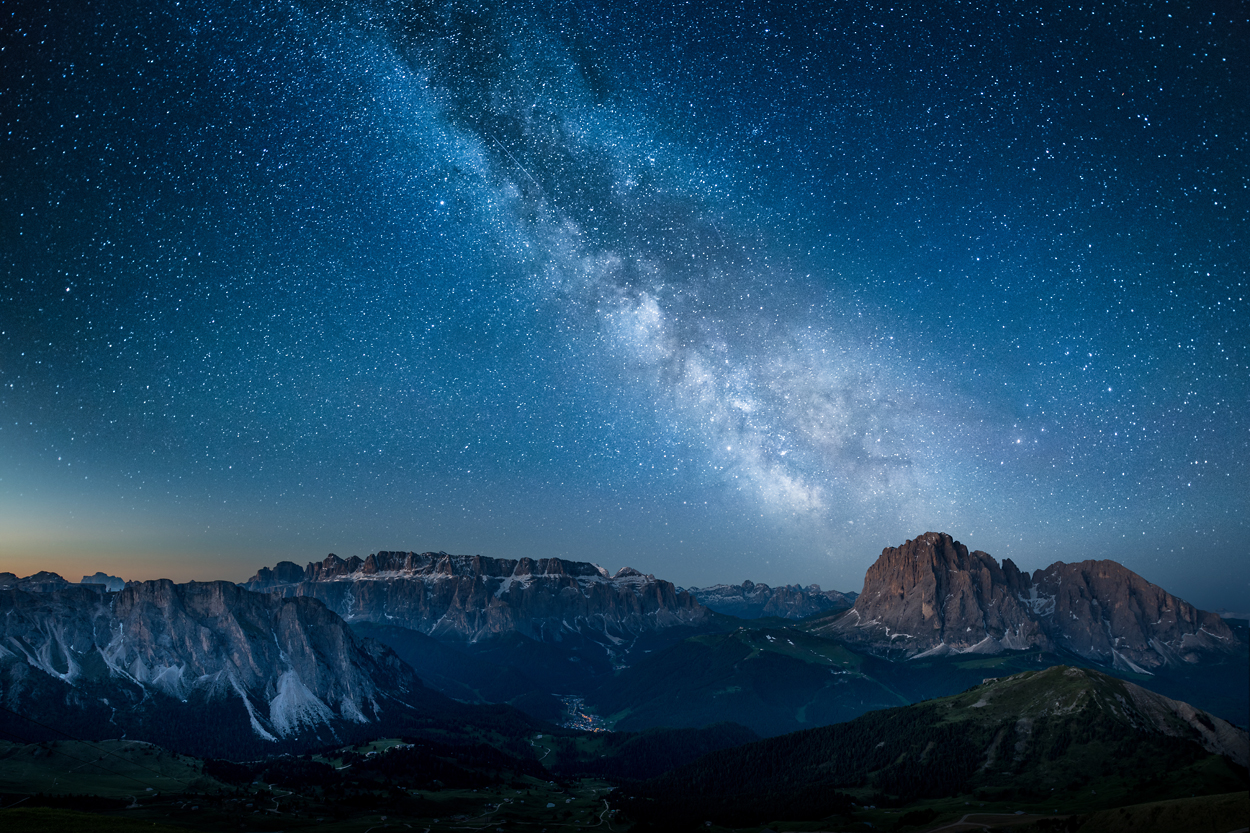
x,y
1220,685
1067,739
1201,814
640,755
50,820
384,784
110,769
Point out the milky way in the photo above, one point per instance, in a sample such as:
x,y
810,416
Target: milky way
x,y
721,292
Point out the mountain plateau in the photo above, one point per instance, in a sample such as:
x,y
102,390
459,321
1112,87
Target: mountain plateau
x,y
472,597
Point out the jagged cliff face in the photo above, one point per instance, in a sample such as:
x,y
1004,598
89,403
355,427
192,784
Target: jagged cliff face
x,y
1100,609
931,596
292,663
753,601
470,596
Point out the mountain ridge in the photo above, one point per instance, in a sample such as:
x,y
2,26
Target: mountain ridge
x,y
283,668
750,600
470,597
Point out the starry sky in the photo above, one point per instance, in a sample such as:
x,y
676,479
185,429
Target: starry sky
x,y
716,290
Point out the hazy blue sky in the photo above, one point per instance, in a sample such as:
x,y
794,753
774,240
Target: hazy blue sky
x,y
718,291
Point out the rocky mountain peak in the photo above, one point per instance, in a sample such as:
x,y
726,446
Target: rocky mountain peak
x,y
932,596
1136,624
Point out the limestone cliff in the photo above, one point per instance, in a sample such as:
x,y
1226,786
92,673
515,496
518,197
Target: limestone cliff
x,y
292,663
472,596
932,596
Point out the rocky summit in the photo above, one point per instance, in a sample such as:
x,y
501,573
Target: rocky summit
x,y
932,596
470,597
291,663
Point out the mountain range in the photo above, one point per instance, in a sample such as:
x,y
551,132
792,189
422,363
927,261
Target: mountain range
x,y
470,597
749,600
164,662
948,675
299,652
931,596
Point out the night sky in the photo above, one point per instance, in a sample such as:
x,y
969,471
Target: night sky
x,y
717,291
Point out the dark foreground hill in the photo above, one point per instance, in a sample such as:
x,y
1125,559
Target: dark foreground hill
x,y
1063,737
445,778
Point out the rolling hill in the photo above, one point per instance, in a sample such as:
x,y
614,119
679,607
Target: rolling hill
x,y
1063,737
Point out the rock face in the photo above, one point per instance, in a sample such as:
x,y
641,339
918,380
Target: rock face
x,y
753,601
931,596
294,665
470,596
1102,609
